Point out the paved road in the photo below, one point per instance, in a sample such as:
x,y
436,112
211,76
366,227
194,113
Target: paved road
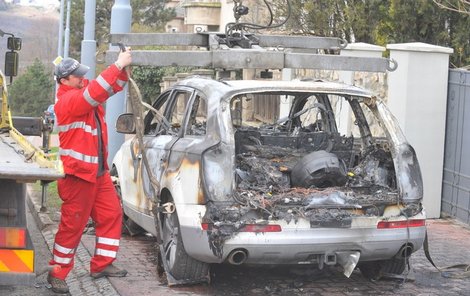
x,y
449,244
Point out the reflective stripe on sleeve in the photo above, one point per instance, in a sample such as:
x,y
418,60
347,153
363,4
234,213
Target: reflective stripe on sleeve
x,y
63,250
104,84
77,124
62,260
106,253
89,99
108,241
78,155
121,83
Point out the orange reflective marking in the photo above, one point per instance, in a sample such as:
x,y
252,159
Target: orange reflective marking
x,y
12,237
17,260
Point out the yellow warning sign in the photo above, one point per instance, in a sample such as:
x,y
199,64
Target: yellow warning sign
x,y
16,261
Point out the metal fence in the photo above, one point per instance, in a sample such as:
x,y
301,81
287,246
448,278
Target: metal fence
x,y
456,178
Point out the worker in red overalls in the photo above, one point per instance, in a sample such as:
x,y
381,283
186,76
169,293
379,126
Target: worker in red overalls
x,y
87,189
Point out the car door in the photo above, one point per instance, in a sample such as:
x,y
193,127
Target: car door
x,y
184,163
137,198
164,151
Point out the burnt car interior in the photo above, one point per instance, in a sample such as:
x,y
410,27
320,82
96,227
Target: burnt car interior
x,y
302,159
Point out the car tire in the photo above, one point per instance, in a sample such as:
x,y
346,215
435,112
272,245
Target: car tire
x,y
129,227
374,270
175,259
394,266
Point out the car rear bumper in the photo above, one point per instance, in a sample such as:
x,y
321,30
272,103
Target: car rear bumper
x,y
297,243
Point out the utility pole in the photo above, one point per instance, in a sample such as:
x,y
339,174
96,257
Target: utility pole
x,y
121,16
67,31
60,42
88,43
61,29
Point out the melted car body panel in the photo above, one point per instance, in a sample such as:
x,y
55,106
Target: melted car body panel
x,y
326,191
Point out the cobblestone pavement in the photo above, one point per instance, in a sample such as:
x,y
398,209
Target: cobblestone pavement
x,y
449,243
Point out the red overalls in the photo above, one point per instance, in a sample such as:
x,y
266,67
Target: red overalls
x,y
84,193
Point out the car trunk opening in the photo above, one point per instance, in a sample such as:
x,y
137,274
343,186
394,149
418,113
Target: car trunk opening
x,y
316,163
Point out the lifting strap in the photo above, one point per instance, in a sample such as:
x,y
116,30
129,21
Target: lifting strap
x,y
444,273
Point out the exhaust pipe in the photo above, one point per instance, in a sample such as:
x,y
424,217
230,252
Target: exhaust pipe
x,y
405,251
237,257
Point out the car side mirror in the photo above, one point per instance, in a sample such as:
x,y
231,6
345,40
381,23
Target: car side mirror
x,y
11,63
14,43
125,124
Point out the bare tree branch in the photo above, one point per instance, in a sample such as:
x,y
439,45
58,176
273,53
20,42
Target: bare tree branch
x,y
461,6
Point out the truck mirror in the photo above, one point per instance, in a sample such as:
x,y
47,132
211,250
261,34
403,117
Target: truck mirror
x,y
125,124
11,63
14,43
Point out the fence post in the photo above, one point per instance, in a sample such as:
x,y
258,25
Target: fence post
x,y
417,96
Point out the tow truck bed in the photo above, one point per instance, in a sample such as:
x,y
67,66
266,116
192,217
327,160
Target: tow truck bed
x,y
17,163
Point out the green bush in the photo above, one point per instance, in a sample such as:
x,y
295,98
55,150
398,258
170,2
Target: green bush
x,y
31,93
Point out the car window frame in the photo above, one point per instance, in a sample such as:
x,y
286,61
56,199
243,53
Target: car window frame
x,y
157,104
172,101
189,109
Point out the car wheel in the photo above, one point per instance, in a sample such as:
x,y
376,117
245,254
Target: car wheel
x,y
129,227
175,259
374,270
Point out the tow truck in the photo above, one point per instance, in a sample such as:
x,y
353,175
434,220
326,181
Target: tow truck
x,y
20,163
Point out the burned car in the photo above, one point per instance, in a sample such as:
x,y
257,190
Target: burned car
x,y
272,172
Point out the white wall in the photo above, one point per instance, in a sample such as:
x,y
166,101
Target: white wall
x,y
417,96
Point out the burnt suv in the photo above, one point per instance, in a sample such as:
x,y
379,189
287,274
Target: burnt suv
x,y
272,172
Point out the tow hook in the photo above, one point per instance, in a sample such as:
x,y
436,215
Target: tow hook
x,y
167,208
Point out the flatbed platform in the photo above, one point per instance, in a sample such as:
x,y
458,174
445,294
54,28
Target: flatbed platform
x,y
17,162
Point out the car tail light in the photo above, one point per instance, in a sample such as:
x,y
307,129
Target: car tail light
x,y
261,228
401,224
12,237
249,227
218,172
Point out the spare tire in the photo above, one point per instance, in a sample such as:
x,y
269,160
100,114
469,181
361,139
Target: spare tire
x,y
319,169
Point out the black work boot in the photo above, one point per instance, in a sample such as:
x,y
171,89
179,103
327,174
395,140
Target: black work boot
x,y
110,271
57,285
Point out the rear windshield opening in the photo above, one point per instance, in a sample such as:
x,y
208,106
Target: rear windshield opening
x,y
292,145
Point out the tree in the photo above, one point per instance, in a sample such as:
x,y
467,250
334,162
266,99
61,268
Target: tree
x,y
462,6
382,22
148,79
149,13
31,93
147,16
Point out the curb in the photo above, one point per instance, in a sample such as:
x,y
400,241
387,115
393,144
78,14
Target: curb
x,y
42,219
79,281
